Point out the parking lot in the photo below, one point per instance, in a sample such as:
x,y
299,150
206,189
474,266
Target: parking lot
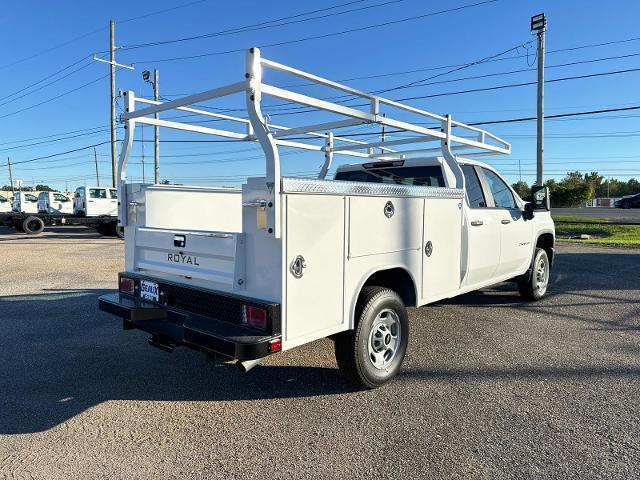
x,y
491,388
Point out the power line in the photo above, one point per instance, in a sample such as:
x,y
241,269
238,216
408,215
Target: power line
x,y
266,24
53,135
326,35
301,109
158,12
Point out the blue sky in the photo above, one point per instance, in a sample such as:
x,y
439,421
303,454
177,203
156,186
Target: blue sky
x,y
42,38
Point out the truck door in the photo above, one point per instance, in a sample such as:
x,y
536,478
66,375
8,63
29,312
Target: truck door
x,y
515,231
482,232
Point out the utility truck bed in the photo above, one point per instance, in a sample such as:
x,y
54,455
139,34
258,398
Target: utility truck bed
x,y
284,261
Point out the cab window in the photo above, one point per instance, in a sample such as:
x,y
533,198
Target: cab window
x,y
429,176
473,189
3,199
97,193
30,198
113,192
58,197
502,196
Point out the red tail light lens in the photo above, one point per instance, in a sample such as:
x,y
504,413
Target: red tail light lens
x,y
255,317
275,345
127,285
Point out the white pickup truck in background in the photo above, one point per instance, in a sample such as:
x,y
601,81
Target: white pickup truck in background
x,y
284,261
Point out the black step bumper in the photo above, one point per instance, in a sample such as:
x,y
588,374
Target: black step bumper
x,y
170,327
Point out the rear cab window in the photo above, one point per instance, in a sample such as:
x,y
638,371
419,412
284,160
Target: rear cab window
x,y
428,175
113,192
473,189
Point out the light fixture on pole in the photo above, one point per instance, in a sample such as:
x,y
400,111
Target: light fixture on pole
x,y
539,26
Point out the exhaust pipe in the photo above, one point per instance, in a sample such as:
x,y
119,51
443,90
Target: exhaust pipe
x,y
248,364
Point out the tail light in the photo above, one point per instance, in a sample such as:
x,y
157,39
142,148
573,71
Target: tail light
x,y
275,345
255,317
127,285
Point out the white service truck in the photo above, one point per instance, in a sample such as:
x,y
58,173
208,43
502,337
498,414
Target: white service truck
x,y
54,202
284,261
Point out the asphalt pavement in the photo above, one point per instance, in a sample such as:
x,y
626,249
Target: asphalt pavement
x,y
622,215
492,387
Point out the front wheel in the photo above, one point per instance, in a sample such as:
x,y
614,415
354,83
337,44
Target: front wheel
x,y
372,354
536,286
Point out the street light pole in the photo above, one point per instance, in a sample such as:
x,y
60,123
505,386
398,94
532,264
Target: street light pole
x,y
156,129
539,25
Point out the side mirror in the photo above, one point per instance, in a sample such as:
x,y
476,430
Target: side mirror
x,y
540,198
528,211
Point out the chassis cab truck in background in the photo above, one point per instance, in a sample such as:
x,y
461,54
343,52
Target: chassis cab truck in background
x,y
283,261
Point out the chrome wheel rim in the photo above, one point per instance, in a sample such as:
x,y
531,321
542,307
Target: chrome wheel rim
x,y
384,339
542,274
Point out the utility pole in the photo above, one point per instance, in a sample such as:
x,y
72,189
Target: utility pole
x,y
539,25
156,130
10,174
113,64
95,156
112,77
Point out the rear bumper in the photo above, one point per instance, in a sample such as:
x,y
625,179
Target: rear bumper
x,y
170,327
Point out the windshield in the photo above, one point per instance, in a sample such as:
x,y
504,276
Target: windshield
x,y
430,176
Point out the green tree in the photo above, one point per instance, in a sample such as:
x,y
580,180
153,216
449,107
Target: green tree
x,y
522,189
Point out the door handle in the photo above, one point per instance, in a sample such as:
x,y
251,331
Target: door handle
x,y
505,221
477,223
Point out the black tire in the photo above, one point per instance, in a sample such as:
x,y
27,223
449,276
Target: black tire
x,y
102,229
32,225
536,286
381,331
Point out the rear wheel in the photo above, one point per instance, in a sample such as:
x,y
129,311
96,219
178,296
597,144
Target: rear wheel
x,y
372,354
536,286
32,225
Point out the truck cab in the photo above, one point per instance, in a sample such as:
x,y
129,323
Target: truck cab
x,y
54,203
24,202
95,201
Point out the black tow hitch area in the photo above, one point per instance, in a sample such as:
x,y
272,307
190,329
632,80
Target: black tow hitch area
x,y
163,343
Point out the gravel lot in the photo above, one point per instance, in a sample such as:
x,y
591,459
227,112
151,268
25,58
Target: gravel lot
x,y
491,388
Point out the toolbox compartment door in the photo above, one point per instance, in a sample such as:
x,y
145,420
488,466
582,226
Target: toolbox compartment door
x,y
314,297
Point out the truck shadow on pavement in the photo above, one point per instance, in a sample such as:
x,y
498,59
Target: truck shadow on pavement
x,y
61,356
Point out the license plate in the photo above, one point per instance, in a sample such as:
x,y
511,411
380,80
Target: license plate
x,y
149,290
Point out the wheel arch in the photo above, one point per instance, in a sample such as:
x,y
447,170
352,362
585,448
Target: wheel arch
x,y
396,278
546,241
